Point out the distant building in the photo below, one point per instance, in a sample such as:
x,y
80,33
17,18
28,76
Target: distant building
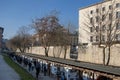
x,y
1,36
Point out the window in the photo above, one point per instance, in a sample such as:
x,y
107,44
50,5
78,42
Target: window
x,y
103,28
97,18
91,12
97,38
91,38
118,37
117,5
110,16
91,20
97,28
97,10
109,27
103,9
91,29
103,17
110,7
118,26
118,14
103,38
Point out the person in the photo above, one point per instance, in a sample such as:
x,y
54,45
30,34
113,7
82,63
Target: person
x,y
63,76
29,65
37,69
45,69
32,66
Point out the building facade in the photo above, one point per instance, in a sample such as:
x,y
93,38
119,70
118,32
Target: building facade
x,y
1,37
99,26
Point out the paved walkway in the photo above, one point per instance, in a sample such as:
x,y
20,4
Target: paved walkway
x,y
6,72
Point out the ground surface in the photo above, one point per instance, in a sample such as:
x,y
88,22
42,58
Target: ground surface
x,y
6,72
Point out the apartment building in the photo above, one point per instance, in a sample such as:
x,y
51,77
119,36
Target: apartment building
x,y
99,25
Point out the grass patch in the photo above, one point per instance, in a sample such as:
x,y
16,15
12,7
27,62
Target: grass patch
x,y
24,75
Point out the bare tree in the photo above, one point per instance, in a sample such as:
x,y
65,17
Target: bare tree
x,y
104,25
11,44
66,43
57,37
45,27
21,40
62,39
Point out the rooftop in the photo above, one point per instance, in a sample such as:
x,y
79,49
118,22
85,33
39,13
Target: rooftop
x,y
94,4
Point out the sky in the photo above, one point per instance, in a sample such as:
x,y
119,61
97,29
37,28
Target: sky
x,y
17,13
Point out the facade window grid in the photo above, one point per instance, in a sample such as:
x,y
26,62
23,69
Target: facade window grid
x,y
91,12
97,10
97,38
118,14
109,27
103,9
91,20
97,28
91,38
110,16
103,17
118,37
91,29
103,28
117,5
103,38
110,7
97,18
118,26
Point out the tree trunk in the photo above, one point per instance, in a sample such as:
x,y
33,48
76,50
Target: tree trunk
x,y
53,52
65,54
46,52
103,56
21,50
108,60
31,49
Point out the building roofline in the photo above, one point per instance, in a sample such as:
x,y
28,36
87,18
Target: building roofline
x,y
93,4
1,28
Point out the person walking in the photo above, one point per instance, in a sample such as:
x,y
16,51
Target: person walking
x,y
37,69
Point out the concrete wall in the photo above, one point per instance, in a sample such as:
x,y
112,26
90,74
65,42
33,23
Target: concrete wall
x,y
53,51
94,54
